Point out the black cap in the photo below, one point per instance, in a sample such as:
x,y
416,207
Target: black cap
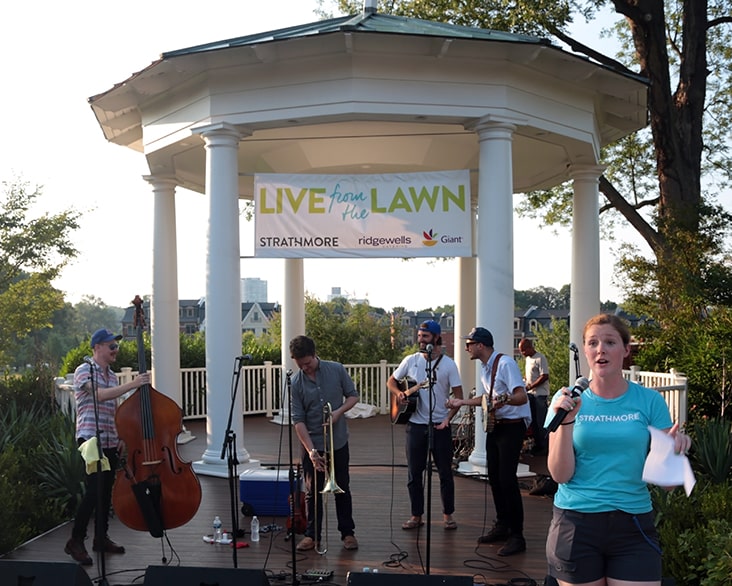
x,y
480,335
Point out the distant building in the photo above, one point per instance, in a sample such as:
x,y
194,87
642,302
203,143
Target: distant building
x,y
337,293
253,289
255,317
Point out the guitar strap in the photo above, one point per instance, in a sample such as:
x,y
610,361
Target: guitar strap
x,y
489,415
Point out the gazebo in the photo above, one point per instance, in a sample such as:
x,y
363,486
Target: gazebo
x,y
367,93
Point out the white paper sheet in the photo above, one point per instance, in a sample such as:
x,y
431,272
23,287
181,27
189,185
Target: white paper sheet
x,y
664,467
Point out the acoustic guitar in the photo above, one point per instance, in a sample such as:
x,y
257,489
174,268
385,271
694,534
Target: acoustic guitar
x,y
400,413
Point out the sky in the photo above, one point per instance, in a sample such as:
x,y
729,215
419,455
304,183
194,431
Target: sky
x,y
57,55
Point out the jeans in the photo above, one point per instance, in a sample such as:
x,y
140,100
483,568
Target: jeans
x,y
343,501
417,446
503,450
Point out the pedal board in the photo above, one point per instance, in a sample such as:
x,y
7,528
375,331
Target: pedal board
x,y
318,574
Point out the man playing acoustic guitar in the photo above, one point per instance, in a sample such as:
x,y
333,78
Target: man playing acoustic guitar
x,y
430,407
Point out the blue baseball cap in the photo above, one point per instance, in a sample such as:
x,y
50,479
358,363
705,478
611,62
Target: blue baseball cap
x,y
103,335
430,326
480,335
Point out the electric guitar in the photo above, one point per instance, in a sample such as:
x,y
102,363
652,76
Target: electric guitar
x,y
400,413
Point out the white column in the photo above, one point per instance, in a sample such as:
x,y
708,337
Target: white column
x,y
494,247
164,312
223,299
585,294
293,323
465,315
465,320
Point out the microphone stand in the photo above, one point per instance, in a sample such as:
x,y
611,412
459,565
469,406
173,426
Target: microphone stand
x,y
229,450
293,487
576,362
430,446
99,531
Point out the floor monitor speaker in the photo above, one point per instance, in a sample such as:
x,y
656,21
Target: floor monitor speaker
x,y
26,573
192,576
386,579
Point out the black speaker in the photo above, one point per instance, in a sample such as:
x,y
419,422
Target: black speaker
x,y
17,573
385,579
189,576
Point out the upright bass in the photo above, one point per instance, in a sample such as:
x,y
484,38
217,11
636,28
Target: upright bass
x,y
154,490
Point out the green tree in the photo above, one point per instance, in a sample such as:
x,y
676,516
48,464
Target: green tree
x,y
542,297
553,342
33,250
662,180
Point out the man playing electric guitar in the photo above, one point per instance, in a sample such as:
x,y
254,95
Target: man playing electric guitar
x,y
435,376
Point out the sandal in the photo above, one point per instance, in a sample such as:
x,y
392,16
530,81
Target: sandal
x,y
412,524
450,525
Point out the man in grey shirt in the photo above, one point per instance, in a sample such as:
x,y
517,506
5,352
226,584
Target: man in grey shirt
x,y
537,384
322,387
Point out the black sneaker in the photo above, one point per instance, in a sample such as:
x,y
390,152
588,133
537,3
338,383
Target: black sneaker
x,y
514,544
498,533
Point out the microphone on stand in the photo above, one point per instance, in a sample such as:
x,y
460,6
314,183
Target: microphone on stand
x,y
245,357
573,347
579,385
428,348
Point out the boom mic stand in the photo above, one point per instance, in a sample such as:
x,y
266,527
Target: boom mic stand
x,y
430,446
99,510
293,488
229,450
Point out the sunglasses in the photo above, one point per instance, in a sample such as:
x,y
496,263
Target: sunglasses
x,y
469,344
113,346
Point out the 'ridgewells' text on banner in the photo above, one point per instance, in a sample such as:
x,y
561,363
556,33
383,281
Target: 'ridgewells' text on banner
x,y
400,215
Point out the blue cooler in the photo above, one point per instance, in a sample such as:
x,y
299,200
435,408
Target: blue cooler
x,y
266,490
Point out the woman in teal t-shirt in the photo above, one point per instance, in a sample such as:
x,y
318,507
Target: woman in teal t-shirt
x,y
602,531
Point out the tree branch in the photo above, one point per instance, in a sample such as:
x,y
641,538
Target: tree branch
x,y
630,213
718,21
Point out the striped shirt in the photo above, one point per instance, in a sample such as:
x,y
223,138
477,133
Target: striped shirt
x,y
85,422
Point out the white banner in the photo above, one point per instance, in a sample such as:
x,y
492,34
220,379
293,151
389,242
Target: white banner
x,y
324,216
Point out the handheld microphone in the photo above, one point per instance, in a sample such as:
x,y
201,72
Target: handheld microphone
x,y
88,360
579,385
573,347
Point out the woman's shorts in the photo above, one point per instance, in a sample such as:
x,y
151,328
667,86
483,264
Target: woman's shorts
x,y
584,547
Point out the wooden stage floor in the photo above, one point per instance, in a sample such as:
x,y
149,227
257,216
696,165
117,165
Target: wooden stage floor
x,y
378,485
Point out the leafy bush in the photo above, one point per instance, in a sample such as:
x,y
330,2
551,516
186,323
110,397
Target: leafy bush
x,y
696,532
712,453
30,427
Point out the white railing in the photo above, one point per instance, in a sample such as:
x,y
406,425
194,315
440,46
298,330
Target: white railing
x,y
262,388
672,385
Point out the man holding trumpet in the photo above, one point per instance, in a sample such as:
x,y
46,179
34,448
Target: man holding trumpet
x,y
322,392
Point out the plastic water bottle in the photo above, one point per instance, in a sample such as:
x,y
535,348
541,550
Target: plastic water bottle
x,y
217,529
255,528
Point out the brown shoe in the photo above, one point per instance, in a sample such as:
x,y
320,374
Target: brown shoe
x,y
108,545
76,550
306,544
350,543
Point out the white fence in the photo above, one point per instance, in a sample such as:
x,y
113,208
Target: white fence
x,y
262,388
672,385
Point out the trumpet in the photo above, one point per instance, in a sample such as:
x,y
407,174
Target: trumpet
x,y
330,485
